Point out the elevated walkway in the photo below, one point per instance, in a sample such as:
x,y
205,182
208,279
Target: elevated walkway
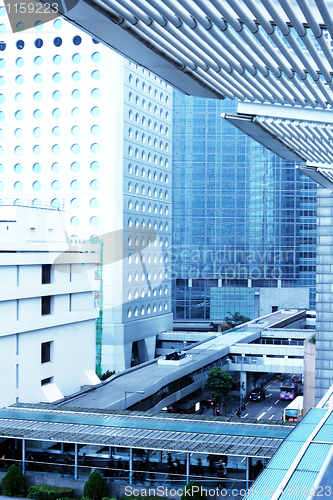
x,y
158,386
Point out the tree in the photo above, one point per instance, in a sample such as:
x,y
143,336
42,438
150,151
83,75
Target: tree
x,y
95,487
106,375
13,482
236,319
193,491
219,383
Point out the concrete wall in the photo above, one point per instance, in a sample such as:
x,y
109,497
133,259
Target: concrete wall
x,y
70,326
297,298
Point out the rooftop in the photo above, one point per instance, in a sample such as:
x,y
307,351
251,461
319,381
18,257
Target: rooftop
x,y
142,430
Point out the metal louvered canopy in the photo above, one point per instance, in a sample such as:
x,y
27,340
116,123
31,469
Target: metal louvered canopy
x,y
139,430
276,51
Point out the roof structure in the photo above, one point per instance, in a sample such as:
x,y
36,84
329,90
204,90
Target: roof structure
x,y
150,377
142,430
299,467
276,52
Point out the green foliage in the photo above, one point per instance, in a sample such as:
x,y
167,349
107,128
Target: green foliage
x,y
236,319
95,487
219,383
46,492
13,482
107,374
314,338
193,490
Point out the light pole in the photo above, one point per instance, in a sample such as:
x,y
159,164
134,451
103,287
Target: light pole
x,y
132,392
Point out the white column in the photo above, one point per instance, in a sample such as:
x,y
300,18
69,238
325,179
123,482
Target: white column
x,y
131,465
23,456
247,473
76,461
187,467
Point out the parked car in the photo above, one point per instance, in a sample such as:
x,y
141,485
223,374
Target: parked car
x,y
257,394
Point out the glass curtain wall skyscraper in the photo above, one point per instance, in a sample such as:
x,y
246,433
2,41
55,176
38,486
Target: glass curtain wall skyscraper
x,y
243,220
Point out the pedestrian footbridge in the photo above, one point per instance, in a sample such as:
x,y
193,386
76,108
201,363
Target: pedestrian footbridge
x,y
157,384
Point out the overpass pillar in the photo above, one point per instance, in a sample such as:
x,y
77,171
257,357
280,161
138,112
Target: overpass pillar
x,y
324,321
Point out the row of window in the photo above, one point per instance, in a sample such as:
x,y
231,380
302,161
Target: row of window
x,y
155,276
38,78
147,310
144,87
150,109
143,190
93,221
56,112
150,92
136,135
55,185
37,167
57,59
57,42
143,223
162,162
150,75
143,205
56,131
153,225
136,294
136,259
56,149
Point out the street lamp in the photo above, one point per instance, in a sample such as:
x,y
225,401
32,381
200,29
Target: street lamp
x,y
132,392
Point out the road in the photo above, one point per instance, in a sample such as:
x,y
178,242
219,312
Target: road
x,y
271,408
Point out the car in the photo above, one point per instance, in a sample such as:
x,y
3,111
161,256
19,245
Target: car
x,y
257,394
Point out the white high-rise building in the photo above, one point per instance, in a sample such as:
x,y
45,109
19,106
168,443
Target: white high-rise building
x,y
47,339
80,125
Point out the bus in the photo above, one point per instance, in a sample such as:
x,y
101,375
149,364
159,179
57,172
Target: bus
x,y
289,389
294,411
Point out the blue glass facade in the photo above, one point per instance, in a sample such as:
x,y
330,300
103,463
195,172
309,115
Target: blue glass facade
x,y
242,217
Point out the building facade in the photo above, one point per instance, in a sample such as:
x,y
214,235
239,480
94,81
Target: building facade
x,y
83,128
47,341
244,220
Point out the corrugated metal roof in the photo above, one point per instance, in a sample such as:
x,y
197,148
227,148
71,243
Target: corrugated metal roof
x,y
325,434
301,432
300,481
314,416
310,461
314,457
148,431
268,480
329,421
285,455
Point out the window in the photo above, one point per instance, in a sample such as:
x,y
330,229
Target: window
x,y
45,381
46,305
45,352
46,274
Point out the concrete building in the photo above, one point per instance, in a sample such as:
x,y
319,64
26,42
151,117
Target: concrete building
x,y
88,129
47,339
